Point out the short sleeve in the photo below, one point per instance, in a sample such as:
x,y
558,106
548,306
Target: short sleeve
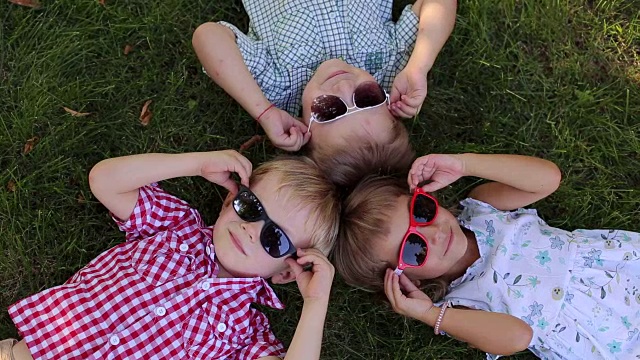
x,y
155,211
472,208
262,342
406,30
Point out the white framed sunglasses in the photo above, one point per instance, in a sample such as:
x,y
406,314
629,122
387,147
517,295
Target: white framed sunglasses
x,y
329,108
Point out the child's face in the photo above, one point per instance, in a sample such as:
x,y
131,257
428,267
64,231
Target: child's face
x,y
336,77
238,249
446,242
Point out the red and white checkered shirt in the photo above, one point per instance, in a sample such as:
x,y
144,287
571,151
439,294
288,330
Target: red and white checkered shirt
x,y
156,296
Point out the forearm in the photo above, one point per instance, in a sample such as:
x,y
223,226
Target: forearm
x,y
518,180
495,333
115,182
307,340
218,52
437,19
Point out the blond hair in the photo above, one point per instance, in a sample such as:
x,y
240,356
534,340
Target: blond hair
x,y
365,222
308,187
346,166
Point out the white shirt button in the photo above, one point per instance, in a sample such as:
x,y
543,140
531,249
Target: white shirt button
x,y
184,247
114,340
160,311
206,286
222,327
208,250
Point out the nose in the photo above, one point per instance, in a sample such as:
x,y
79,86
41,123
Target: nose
x,y
344,90
434,234
252,230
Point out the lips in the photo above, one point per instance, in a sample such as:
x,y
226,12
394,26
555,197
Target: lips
x,y
450,240
340,72
236,242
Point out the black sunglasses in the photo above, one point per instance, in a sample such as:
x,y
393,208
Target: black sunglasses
x,y
273,239
329,108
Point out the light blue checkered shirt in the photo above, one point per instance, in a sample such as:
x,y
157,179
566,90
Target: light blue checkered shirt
x,y
289,39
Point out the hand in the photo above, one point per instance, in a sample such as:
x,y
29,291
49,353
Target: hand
x,y
217,167
285,131
314,284
408,92
415,303
441,169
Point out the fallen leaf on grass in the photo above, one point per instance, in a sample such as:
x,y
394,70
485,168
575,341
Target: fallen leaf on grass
x,y
101,2
81,199
127,49
249,143
28,146
75,113
146,114
11,186
35,4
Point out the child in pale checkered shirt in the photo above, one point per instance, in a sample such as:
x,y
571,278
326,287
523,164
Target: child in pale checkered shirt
x,y
330,59
178,289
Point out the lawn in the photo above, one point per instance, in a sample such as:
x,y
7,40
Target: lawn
x,y
555,79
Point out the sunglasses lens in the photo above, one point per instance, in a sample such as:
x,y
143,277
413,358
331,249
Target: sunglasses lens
x,y
328,107
275,241
247,206
414,252
369,94
424,209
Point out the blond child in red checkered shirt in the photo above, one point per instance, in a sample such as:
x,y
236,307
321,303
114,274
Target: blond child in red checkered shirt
x,y
178,289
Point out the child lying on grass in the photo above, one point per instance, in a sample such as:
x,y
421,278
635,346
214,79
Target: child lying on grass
x,y
178,289
336,61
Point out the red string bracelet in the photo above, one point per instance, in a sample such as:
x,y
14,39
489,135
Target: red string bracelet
x,y
265,110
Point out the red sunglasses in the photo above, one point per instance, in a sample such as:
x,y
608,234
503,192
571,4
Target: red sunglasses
x,y
414,250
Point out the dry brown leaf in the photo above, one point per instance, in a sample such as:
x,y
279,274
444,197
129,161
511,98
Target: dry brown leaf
x,y
28,146
101,2
75,113
146,114
249,143
127,49
80,198
35,4
11,186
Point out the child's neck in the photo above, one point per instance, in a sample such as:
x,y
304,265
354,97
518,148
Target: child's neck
x,y
470,256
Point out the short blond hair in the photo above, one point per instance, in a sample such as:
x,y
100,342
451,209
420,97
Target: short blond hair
x,y
346,166
365,222
308,187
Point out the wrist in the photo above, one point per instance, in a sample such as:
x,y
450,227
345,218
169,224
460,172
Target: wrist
x,y
431,316
265,112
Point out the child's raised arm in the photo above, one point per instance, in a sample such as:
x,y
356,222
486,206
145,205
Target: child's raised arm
x,y
437,19
495,333
115,182
216,48
516,180
315,287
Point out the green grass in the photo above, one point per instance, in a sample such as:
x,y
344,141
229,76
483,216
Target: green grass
x,y
556,79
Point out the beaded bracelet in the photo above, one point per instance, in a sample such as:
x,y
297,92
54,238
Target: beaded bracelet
x,y
265,110
436,328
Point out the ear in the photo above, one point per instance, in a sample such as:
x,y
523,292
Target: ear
x,y
285,276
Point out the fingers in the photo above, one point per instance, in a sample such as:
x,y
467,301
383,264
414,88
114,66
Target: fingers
x,y
314,257
400,108
292,141
295,267
421,170
395,95
230,185
242,167
406,284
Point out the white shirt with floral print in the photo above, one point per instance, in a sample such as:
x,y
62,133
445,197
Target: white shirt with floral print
x,y
579,291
